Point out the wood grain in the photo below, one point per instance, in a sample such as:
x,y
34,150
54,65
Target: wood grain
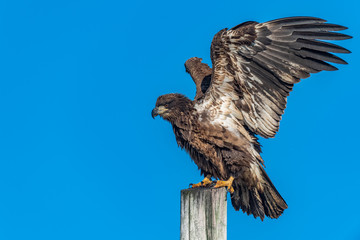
x,y
203,214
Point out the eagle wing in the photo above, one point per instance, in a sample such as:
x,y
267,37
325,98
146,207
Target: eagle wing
x,y
255,66
200,73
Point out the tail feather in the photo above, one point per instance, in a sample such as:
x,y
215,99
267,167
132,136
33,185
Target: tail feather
x,y
260,200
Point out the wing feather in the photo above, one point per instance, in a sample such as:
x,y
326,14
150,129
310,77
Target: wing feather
x,y
200,73
255,65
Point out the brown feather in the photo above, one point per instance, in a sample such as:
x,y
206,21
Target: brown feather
x,y
200,73
264,59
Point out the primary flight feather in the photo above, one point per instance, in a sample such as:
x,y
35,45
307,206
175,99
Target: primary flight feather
x,y
255,66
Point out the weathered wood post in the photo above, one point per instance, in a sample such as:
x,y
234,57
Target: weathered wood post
x,y
203,214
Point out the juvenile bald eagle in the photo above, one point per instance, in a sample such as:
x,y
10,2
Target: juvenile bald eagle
x,y
255,66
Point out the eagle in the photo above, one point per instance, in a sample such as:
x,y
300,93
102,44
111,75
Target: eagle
x,y
254,68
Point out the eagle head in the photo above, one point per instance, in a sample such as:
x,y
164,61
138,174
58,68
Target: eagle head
x,y
170,106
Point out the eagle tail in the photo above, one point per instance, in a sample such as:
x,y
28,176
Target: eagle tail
x,y
259,200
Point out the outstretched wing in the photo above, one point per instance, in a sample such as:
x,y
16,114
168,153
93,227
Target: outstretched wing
x,y
200,73
255,65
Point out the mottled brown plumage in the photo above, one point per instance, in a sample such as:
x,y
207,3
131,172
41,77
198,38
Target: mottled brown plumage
x,y
200,73
255,66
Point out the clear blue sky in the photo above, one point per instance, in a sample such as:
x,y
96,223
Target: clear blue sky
x,y
81,157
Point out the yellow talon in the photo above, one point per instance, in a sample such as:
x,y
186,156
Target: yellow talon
x,y
206,181
227,184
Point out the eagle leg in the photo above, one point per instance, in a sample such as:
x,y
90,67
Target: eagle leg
x,y
205,182
227,184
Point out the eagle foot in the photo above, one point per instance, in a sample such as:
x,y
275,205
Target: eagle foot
x,y
205,182
227,184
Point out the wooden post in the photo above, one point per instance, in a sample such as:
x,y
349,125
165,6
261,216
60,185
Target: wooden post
x,y
203,214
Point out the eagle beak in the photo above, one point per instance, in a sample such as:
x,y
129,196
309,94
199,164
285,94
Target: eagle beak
x,y
158,111
154,113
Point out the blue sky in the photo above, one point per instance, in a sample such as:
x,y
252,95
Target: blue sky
x,y
81,157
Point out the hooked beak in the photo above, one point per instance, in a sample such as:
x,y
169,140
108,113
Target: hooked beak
x,y
154,113
158,111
